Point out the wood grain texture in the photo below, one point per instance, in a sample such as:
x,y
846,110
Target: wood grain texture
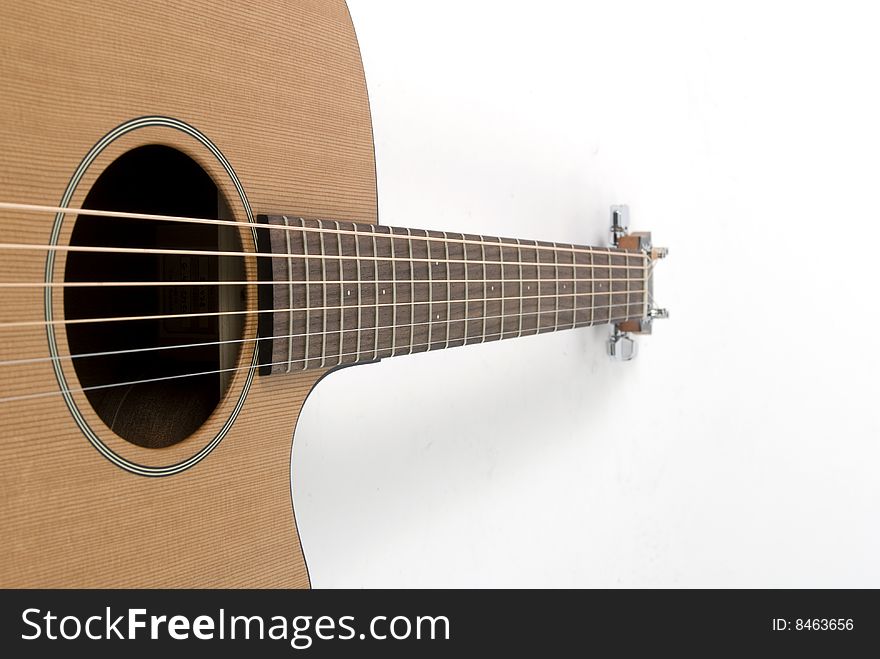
x,y
279,88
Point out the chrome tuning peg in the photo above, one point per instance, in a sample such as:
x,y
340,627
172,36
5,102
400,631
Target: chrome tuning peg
x,y
619,222
621,346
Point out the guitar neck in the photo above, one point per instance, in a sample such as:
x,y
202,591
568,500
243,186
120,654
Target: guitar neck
x,y
339,293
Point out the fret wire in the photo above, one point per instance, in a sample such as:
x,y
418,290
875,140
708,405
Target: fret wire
x,y
32,208
503,281
376,277
527,279
521,301
290,297
467,291
610,284
308,308
341,297
430,291
360,325
485,280
324,292
412,286
556,284
627,287
593,289
540,290
393,294
574,290
448,288
565,286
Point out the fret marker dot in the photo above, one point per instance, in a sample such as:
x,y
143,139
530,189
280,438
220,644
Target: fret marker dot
x,y
348,292
383,291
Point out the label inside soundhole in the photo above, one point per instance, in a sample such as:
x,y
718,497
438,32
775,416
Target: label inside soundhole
x,y
158,350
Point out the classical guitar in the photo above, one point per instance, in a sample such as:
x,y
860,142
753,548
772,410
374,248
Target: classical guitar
x,y
190,242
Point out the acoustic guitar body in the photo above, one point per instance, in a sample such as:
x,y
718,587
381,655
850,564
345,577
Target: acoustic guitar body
x,y
257,108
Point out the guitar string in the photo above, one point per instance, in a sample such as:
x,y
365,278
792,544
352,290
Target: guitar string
x,y
33,208
110,284
500,334
108,353
95,249
556,247
246,312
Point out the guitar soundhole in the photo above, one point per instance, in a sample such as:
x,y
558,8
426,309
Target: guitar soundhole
x,y
155,381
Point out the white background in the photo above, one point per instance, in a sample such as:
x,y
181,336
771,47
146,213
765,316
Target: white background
x,y
741,447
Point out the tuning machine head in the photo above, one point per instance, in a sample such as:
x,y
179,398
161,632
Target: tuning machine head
x,y
621,345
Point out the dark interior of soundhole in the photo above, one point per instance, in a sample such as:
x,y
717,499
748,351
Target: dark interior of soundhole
x,y
146,390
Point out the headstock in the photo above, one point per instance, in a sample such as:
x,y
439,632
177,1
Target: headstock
x,y
621,345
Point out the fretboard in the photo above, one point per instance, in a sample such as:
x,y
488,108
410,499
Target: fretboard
x,y
344,292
